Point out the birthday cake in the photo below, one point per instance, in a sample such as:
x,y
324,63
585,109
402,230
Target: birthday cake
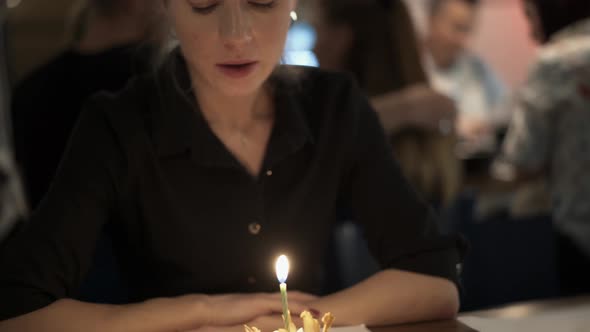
x,y
310,324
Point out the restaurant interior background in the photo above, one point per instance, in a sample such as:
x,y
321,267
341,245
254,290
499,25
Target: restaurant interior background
x,y
37,29
501,268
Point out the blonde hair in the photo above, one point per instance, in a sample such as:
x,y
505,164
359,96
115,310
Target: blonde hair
x,y
383,43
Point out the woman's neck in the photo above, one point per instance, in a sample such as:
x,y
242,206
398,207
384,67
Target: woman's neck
x,y
235,113
243,124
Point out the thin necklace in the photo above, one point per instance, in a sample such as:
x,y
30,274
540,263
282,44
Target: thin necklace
x,y
243,139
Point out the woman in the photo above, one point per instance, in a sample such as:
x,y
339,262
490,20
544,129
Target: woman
x,y
374,40
205,172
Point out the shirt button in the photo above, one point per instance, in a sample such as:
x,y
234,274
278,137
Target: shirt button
x,y
459,268
251,280
269,173
254,228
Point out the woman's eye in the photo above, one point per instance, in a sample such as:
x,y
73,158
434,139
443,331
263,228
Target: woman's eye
x,y
204,9
208,8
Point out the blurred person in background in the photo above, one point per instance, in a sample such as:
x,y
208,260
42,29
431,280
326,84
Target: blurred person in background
x,y
549,134
458,73
407,99
375,41
12,202
109,46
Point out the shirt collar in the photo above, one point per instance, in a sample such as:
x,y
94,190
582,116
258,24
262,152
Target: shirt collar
x,y
580,28
179,126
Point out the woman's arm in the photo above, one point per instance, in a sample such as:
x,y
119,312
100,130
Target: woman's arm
x,y
70,315
158,315
419,265
392,297
415,106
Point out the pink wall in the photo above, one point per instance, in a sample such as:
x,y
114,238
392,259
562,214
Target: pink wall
x,y
503,39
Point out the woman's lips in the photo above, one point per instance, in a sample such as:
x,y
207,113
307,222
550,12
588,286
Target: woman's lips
x,y
237,69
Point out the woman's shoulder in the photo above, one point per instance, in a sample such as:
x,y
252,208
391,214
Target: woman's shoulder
x,y
320,89
313,79
137,99
130,98
127,112
330,101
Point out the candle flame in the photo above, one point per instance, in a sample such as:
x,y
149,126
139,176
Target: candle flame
x,y
282,268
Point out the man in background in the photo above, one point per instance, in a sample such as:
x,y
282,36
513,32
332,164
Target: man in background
x,y
456,72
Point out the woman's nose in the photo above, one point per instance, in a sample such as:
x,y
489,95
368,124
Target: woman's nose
x,y
235,28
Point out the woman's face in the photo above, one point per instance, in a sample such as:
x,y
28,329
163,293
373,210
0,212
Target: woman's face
x,y
231,46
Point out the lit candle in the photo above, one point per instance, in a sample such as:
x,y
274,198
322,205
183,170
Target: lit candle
x,y
282,269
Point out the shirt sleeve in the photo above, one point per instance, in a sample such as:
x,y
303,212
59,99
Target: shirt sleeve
x,y
527,143
494,87
400,228
48,259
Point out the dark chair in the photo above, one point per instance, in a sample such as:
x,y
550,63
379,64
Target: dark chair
x,y
509,260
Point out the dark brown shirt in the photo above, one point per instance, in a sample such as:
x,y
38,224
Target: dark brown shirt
x,y
187,217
